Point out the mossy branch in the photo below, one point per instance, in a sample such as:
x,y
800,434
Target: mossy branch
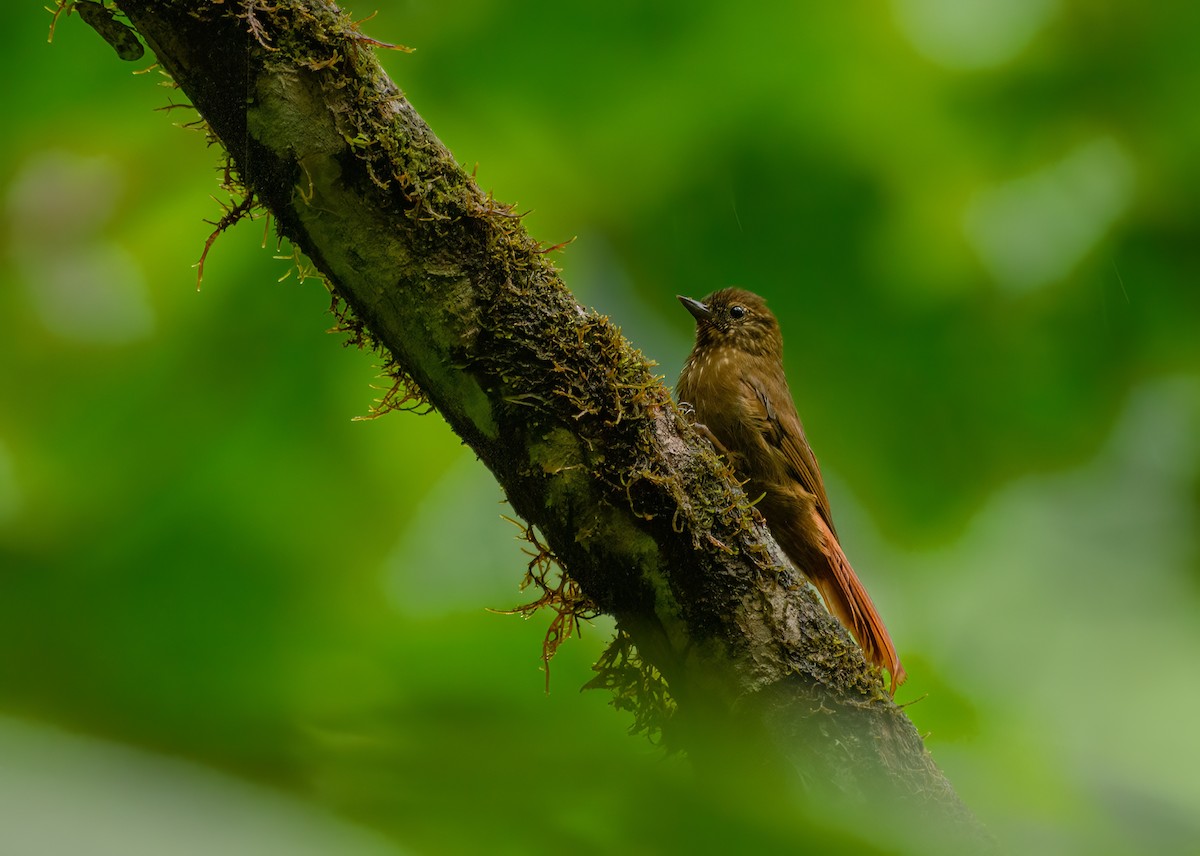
x,y
582,436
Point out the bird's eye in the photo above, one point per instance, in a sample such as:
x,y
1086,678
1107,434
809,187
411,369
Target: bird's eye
x,y
736,311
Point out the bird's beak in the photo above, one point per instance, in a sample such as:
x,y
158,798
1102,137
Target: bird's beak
x,y
699,311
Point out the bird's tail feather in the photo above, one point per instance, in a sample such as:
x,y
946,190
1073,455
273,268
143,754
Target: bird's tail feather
x,y
849,602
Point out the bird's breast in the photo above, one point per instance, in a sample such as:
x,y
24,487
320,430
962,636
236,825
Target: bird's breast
x,y
714,382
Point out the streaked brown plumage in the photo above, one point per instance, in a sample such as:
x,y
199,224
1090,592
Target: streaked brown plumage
x,y
734,382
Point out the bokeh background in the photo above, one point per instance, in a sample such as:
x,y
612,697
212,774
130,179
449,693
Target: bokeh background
x,y
233,620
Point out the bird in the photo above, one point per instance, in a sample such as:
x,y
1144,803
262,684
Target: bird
x,y
734,387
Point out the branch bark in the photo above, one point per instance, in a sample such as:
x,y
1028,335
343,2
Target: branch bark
x,y
585,441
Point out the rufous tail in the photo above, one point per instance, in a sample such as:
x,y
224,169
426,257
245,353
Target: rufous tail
x,y
849,602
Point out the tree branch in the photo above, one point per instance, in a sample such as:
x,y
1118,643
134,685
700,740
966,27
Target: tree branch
x,y
585,441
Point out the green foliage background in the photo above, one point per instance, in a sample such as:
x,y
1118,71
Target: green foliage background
x,y
977,223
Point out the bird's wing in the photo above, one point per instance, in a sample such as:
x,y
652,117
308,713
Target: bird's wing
x,y
782,429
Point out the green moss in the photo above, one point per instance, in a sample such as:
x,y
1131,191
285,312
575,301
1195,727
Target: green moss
x,y
636,686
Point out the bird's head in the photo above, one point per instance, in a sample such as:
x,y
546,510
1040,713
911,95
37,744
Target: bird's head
x,y
735,318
